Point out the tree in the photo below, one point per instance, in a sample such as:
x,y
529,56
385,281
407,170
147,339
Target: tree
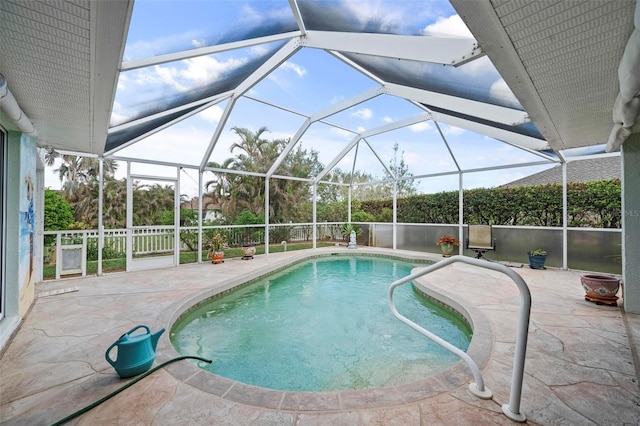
x,y
253,153
75,171
399,169
58,214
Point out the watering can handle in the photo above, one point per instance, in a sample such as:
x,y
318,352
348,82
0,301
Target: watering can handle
x,y
107,357
135,328
106,354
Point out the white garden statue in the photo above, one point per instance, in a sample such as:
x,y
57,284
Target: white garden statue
x,y
352,240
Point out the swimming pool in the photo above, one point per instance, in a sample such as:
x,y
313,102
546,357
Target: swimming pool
x,y
323,324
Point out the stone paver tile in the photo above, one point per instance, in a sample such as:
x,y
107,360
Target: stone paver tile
x,y
538,402
447,410
310,401
189,406
585,347
342,418
54,404
601,404
137,404
41,377
396,416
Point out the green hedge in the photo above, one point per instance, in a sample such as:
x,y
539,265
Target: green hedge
x,y
595,204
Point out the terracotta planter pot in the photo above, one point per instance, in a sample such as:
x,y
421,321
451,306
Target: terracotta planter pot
x,y
600,289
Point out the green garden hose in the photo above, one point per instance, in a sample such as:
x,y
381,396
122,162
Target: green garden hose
x,y
117,391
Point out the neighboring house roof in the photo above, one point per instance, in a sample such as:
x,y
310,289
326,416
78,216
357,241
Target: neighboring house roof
x,y
577,171
207,204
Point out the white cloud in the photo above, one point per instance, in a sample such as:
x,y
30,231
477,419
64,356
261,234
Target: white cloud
x,y
413,159
205,69
342,133
170,43
504,147
259,50
478,66
388,18
212,114
387,119
123,79
363,114
500,90
281,77
198,43
168,76
422,126
360,129
116,114
451,26
452,130
288,65
250,14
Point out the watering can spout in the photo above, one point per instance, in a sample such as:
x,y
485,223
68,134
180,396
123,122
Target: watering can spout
x,y
155,337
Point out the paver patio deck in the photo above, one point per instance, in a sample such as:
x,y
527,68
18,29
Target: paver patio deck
x,y
580,366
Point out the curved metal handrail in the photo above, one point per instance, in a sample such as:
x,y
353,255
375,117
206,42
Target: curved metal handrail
x,y
511,410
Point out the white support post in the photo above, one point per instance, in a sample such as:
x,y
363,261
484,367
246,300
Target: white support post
x,y
266,215
460,213
100,212
349,205
200,173
395,213
315,230
564,217
129,224
176,219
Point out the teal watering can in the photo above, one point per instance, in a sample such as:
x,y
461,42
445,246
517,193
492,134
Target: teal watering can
x,y
136,353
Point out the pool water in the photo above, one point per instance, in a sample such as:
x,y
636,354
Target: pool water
x,y
322,325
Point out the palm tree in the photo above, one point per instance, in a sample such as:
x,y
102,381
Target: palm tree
x,y
236,192
75,171
114,195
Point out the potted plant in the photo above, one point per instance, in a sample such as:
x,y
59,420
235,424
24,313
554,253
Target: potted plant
x,y
537,258
347,230
600,289
447,243
248,250
348,227
216,247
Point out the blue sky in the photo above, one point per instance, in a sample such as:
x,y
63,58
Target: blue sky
x,y
308,82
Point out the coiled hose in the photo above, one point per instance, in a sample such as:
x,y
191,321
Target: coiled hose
x,y
131,383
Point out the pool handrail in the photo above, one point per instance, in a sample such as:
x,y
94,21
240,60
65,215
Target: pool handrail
x,y
511,410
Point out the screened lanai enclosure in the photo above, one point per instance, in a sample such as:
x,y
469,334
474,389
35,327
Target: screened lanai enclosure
x,y
300,114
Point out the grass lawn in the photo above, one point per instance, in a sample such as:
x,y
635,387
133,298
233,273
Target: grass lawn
x,y
119,264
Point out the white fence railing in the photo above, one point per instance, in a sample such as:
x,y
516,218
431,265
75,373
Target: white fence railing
x,y
65,245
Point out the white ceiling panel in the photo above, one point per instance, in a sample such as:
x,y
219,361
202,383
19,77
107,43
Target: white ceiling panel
x,y
560,58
